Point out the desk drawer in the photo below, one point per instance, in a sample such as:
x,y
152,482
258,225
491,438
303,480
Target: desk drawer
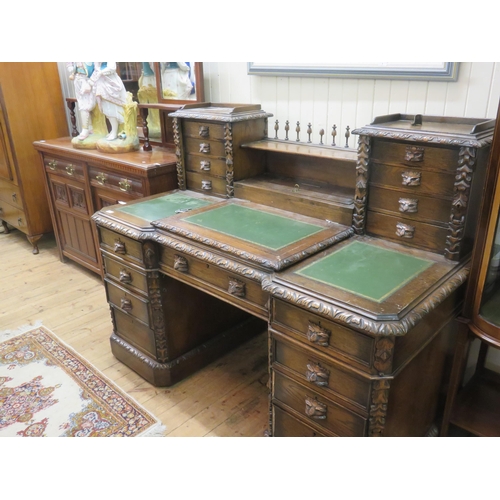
x,y
116,182
134,332
226,284
407,231
204,130
120,245
416,206
321,373
13,216
127,301
205,183
11,194
422,156
61,166
205,147
316,332
206,166
284,425
317,409
412,180
126,275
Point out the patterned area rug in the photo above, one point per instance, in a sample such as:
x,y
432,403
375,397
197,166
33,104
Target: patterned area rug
x,y
47,389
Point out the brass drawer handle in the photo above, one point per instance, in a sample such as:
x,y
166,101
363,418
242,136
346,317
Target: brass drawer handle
x,y
405,231
19,221
205,165
204,131
101,178
316,374
414,153
206,185
318,335
52,164
411,178
119,247
408,205
236,287
70,169
124,185
315,409
126,304
204,147
180,264
125,276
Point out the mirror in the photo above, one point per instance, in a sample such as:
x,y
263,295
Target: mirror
x,y
180,82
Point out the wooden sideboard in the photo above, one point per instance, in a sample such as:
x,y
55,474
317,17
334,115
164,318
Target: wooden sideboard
x,y
355,262
26,116
80,182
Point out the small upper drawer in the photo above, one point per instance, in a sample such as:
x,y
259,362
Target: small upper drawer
x,y
415,206
413,180
205,183
121,246
127,301
64,167
206,166
204,130
206,148
326,336
13,215
11,193
418,155
116,182
315,408
126,275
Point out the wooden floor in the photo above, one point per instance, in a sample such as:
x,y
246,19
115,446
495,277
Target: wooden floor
x,y
227,398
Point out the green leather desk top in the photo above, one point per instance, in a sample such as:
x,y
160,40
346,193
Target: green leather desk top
x,y
255,226
163,206
366,270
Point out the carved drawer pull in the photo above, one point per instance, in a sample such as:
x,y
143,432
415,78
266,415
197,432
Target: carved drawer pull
x,y
315,409
204,130
414,153
316,374
70,169
125,276
236,287
124,185
126,304
318,335
411,178
52,164
19,221
101,178
405,231
14,197
119,247
205,165
1,210
408,205
204,147
206,185
180,264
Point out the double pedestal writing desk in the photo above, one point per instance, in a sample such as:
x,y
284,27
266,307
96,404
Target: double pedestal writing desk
x,y
355,263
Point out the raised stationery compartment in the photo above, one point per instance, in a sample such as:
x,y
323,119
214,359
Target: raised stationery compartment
x,y
312,180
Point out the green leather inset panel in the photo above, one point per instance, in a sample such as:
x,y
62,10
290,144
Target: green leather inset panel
x,y
256,226
366,270
164,206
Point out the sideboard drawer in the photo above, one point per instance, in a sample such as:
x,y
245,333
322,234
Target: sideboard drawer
x,y
126,275
421,156
120,245
317,409
321,372
11,194
127,301
66,168
321,334
116,181
204,130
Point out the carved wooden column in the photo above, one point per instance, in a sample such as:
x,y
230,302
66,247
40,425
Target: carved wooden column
x,y
361,191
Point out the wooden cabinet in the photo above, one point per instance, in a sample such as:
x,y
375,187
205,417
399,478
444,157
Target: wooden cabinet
x,y
474,406
31,108
80,182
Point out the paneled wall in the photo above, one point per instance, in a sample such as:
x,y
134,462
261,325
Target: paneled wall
x,y
325,102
